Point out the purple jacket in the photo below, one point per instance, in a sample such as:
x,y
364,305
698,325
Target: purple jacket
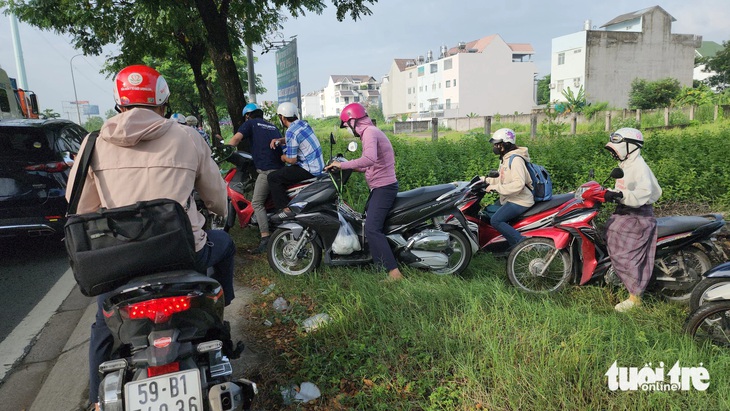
x,y
378,157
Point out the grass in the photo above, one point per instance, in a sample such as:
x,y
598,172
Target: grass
x,y
465,343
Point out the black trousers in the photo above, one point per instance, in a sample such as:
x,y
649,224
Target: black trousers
x,y
281,179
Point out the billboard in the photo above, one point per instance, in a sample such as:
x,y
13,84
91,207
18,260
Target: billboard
x,y
287,74
90,110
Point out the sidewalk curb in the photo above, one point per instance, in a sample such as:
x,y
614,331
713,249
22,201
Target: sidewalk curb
x,y
66,387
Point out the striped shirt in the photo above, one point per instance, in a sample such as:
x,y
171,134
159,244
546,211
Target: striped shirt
x,y
304,145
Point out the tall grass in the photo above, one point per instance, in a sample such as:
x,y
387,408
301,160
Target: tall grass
x,y
474,342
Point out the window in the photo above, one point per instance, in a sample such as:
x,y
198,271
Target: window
x,y
4,102
421,71
434,67
448,103
561,59
409,106
433,86
357,99
420,88
559,88
454,82
347,100
448,83
448,64
425,88
410,75
337,99
409,90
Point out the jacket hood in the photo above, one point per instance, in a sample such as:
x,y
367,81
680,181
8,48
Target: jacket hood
x,y
362,124
520,151
130,127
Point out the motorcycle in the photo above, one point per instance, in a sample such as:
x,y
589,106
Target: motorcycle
x,y
573,251
415,229
490,240
709,319
240,181
171,347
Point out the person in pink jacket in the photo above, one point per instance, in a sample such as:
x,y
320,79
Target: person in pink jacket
x,y
141,155
378,164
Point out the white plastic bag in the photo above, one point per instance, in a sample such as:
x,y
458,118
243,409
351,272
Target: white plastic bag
x,y
346,241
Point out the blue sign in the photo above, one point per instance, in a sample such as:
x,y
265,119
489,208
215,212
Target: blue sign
x,y
287,74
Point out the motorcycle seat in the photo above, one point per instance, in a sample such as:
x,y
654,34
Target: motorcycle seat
x,y
680,224
412,198
541,206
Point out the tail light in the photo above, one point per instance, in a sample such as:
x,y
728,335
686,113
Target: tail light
x,y
54,167
163,369
158,310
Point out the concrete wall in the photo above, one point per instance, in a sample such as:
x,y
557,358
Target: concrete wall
x,y
614,59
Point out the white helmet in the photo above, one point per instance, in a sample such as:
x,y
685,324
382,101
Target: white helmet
x,y
287,110
618,142
179,118
503,135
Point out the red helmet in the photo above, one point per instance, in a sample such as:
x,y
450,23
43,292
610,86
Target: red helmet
x,y
140,86
353,110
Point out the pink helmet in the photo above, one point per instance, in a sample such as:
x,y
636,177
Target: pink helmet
x,y
140,86
352,110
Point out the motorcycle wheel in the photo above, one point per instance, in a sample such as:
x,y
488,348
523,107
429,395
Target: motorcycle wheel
x,y
702,288
695,261
528,259
283,257
710,323
459,256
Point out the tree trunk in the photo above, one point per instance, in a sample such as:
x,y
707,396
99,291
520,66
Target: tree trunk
x,y
215,21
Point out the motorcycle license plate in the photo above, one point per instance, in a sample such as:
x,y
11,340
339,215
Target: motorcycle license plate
x,y
176,391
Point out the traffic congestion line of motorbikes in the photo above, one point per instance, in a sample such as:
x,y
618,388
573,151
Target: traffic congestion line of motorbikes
x,y
439,229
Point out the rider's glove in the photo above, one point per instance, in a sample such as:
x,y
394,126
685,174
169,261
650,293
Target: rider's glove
x,y
613,196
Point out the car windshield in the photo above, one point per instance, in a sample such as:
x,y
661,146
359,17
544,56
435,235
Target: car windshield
x,y
69,138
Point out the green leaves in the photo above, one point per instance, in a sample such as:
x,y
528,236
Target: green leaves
x,y
646,94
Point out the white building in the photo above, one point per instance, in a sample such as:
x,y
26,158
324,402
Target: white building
x,y
313,104
632,45
483,77
707,49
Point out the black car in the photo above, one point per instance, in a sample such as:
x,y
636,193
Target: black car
x,y
35,160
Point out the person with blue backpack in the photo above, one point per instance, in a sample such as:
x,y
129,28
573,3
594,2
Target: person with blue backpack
x,y
514,184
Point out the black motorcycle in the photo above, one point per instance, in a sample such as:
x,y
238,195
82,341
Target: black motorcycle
x,y
171,347
709,319
415,228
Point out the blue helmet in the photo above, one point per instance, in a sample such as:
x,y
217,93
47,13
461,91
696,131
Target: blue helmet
x,y
249,108
179,118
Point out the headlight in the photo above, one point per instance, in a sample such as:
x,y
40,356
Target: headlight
x,y
579,193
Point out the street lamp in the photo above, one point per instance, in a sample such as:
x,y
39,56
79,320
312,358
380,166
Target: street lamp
x,y
73,80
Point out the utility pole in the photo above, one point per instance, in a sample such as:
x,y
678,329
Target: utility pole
x,y
251,75
73,80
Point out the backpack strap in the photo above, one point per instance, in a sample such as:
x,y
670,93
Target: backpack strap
x,y
81,172
509,164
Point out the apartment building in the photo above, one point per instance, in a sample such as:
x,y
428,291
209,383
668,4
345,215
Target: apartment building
x,y
634,45
482,77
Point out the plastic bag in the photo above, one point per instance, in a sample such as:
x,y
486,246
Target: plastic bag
x,y
346,241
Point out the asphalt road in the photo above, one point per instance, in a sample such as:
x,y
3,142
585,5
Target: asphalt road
x,y
28,270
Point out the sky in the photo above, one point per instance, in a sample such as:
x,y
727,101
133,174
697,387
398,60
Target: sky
x,y
396,29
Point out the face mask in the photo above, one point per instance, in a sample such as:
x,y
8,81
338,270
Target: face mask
x,y
497,150
353,132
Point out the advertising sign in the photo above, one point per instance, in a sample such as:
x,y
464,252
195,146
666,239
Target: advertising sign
x,y
287,74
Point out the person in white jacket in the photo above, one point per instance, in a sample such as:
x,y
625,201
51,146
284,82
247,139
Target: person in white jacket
x,y
631,231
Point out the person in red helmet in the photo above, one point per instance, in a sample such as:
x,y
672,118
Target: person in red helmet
x,y
378,164
142,155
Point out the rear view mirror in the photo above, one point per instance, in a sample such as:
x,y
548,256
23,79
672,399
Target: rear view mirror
x,y
352,147
617,173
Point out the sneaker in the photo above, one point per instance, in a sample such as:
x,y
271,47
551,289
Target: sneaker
x,y
281,216
625,305
262,246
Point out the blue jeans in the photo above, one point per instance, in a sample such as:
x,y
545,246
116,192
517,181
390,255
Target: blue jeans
x,y
379,204
218,252
500,221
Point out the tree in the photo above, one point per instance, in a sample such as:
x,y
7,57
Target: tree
x,y
719,64
49,113
94,123
646,94
543,90
574,102
694,96
110,113
219,28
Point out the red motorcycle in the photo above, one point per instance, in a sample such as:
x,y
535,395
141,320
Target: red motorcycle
x,y
572,250
539,215
240,181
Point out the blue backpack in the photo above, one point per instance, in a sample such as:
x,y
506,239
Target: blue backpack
x,y
542,185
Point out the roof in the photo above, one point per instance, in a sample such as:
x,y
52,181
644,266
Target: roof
x,y
351,78
402,64
479,45
636,14
709,49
